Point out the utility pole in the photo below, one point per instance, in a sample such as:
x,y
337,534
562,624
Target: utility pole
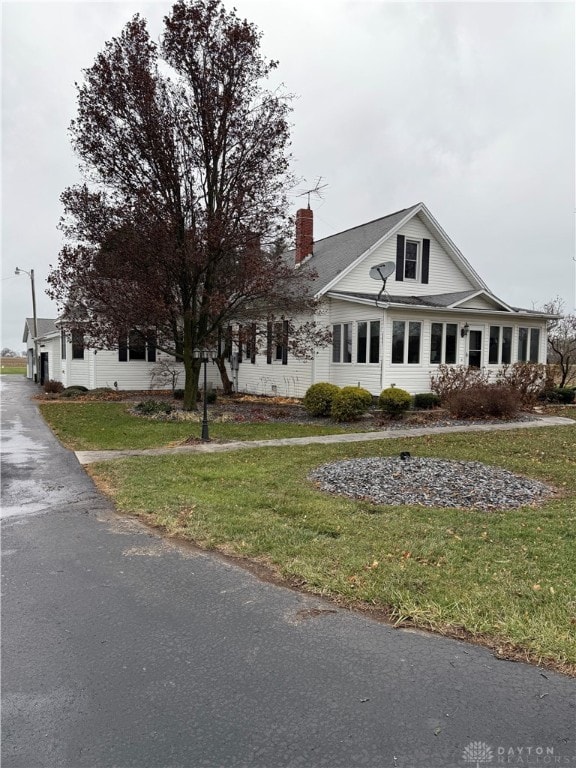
x,y
30,274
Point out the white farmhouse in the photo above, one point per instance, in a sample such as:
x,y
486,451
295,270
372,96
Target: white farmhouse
x,y
434,308
396,293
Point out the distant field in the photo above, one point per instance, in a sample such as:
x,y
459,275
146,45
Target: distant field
x,y
14,365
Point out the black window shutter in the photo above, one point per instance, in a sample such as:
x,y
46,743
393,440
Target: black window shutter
x,y
269,343
240,341
123,348
400,257
253,343
425,260
228,343
151,346
285,342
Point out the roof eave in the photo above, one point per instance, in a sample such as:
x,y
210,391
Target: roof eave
x,y
454,249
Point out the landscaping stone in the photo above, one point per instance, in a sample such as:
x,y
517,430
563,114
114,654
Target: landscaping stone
x,y
430,482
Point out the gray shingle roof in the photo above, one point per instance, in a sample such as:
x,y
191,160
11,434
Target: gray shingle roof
x,y
45,326
436,300
433,300
334,253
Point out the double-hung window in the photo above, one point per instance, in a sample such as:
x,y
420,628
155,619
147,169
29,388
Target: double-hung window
x,y
500,345
528,344
412,260
406,338
77,345
137,346
277,342
368,342
342,343
443,343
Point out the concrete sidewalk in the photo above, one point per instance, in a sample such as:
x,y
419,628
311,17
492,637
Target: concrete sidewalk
x,y
89,457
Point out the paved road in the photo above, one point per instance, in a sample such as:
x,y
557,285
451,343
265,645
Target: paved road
x,y
121,649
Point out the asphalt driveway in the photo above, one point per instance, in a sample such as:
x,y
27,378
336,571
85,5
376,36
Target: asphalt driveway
x,y
123,649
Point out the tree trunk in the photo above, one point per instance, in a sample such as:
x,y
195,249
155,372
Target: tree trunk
x,y
226,383
192,367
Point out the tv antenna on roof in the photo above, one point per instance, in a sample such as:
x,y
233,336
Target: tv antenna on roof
x,y
317,190
382,272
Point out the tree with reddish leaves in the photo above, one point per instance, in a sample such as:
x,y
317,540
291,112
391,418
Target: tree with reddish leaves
x,y
184,156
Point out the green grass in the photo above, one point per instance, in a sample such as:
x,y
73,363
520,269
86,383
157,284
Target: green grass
x,y
109,426
506,579
13,369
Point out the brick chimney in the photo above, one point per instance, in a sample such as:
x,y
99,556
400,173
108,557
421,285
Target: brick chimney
x,y
304,234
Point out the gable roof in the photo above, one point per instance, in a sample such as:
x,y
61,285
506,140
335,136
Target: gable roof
x,y
45,327
338,254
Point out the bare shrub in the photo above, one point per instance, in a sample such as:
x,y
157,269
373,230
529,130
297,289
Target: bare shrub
x,y
53,387
455,378
528,380
483,401
165,374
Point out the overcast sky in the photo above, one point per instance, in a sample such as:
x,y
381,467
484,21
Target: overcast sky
x,y
468,107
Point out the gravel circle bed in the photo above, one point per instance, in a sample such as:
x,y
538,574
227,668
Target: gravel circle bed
x,y
430,483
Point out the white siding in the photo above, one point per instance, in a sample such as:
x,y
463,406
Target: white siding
x,y
261,378
136,374
291,380
366,375
51,347
101,368
416,377
445,276
479,302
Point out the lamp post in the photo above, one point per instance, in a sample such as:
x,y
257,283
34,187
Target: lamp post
x,y
30,274
204,355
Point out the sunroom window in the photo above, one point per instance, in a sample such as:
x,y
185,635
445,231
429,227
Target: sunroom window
x,y
368,342
406,341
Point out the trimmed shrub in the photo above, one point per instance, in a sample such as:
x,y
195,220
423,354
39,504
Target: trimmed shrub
x,y
318,398
426,401
562,395
178,394
350,403
211,395
488,401
153,407
394,401
71,393
76,390
53,387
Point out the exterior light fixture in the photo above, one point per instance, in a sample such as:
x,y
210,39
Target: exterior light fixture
x,y
204,355
464,330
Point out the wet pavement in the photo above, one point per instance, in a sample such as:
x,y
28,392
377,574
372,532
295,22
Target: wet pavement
x,y
37,473
120,649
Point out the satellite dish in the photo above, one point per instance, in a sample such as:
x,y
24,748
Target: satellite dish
x,y
382,271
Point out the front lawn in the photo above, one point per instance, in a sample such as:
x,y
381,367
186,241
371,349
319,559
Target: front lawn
x,y
505,579
110,426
